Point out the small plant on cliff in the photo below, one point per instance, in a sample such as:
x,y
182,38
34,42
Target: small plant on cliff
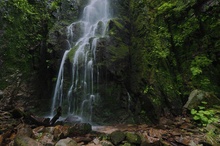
x,y
204,116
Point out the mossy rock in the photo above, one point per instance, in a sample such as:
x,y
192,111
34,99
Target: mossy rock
x,y
25,141
72,53
133,138
126,144
198,96
80,129
106,143
100,28
117,137
117,24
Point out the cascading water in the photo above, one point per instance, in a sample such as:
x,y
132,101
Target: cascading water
x,y
83,37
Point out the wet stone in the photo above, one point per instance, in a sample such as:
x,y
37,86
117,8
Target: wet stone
x,y
133,138
25,141
117,137
66,142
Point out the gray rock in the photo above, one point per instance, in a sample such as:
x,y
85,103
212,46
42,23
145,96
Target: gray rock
x,y
197,96
47,139
66,142
72,119
25,141
24,130
80,129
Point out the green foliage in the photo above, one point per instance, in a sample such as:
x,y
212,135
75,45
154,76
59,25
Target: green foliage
x,y
24,26
198,63
196,70
173,49
204,116
118,53
165,7
54,5
118,24
213,136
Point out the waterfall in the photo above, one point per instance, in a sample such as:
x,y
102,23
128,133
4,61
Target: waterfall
x,y
82,37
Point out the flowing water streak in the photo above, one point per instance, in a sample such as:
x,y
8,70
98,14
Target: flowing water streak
x,y
83,37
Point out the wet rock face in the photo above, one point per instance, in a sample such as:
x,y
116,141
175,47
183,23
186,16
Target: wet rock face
x,y
69,10
111,55
67,13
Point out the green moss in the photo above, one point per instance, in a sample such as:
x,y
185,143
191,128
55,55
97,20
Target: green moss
x,y
72,53
133,138
118,52
117,27
118,24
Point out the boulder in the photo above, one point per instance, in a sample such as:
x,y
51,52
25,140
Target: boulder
x,y
49,129
38,132
39,129
82,139
133,138
80,129
25,141
117,137
72,119
66,142
47,139
61,131
24,130
197,96
106,143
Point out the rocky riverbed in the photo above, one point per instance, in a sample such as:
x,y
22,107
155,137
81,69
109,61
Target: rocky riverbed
x,y
19,128
178,131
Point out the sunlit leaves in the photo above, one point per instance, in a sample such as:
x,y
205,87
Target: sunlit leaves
x,y
198,63
166,7
204,116
196,70
24,6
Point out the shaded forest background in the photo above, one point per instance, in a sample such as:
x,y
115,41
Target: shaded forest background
x,y
159,52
